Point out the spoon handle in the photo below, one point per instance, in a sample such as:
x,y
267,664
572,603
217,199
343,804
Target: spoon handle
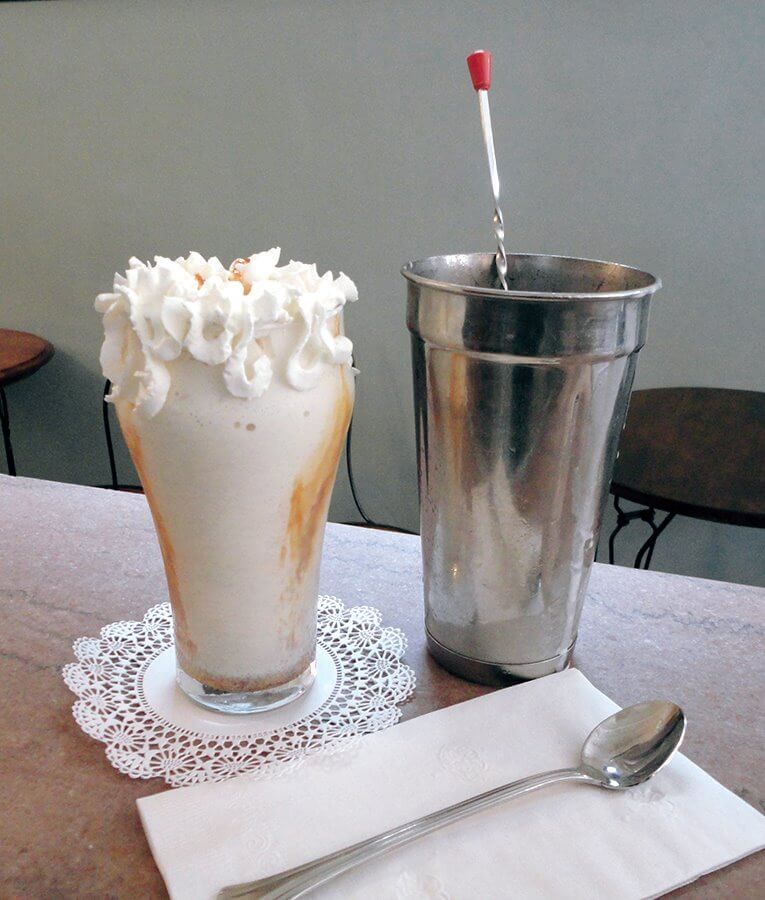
x,y
479,65
298,881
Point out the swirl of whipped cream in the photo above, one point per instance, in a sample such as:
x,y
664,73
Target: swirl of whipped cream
x,y
218,316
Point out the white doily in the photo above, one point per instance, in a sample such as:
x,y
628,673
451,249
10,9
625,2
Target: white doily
x,y
128,699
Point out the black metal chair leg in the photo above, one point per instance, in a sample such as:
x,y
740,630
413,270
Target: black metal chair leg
x,y
620,523
5,422
659,530
646,551
623,519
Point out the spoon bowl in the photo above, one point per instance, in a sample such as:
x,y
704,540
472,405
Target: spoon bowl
x,y
629,747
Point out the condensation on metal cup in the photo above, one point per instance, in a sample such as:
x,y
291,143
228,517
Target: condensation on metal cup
x,y
520,397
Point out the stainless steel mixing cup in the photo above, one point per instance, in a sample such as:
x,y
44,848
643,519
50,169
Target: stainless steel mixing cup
x,y
520,397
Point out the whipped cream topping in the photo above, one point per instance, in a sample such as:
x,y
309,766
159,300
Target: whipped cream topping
x,y
219,316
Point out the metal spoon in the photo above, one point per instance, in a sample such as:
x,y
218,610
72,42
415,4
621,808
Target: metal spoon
x,y
624,750
479,65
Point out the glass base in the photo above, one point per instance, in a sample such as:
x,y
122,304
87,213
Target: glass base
x,y
243,702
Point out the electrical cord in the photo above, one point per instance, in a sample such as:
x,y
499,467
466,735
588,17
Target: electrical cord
x,y
108,435
354,493
115,485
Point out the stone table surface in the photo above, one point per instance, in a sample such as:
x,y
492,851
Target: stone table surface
x,y
73,559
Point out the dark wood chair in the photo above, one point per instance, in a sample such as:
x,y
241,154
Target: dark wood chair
x,y
696,452
21,354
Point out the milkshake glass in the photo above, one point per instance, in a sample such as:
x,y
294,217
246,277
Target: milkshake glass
x,y
234,389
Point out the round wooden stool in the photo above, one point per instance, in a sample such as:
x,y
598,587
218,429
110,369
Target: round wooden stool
x,y
694,452
21,354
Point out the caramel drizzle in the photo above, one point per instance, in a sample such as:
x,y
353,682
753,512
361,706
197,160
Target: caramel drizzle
x,y
186,645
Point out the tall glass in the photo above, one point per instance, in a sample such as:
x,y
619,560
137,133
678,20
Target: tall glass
x,y
239,491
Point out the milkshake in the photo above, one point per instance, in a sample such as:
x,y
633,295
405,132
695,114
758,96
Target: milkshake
x,y
234,390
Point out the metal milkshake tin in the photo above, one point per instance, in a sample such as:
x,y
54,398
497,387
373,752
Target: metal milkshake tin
x,y
520,397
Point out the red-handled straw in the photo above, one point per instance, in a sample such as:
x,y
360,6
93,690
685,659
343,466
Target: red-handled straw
x,y
479,66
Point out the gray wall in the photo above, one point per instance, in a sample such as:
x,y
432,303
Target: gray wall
x,y
348,133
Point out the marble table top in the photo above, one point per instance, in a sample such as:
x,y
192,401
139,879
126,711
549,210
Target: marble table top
x,y
73,559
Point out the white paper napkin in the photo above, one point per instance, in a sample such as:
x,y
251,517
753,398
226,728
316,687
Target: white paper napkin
x,y
571,841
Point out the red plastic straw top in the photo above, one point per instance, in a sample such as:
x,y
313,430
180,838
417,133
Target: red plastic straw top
x,y
479,65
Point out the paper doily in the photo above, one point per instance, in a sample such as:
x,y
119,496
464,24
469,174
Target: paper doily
x,y
125,682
